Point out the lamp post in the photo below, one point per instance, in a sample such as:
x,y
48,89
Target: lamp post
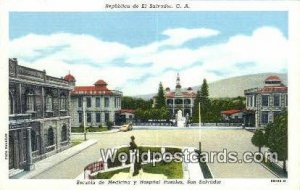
x,y
199,115
84,121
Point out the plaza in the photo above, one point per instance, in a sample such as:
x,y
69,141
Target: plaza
x,y
238,140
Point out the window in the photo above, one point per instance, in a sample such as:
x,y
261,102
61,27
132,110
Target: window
x,y
88,102
30,102
277,100
80,102
264,117
11,104
106,117
89,117
116,102
50,136
97,102
254,100
286,100
265,100
276,114
106,102
98,117
33,141
187,101
63,102
80,117
49,103
178,101
64,133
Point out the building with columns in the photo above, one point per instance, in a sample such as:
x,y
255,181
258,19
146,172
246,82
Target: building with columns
x,y
39,116
263,104
100,103
180,99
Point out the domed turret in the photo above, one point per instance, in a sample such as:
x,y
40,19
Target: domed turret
x,y
71,79
273,81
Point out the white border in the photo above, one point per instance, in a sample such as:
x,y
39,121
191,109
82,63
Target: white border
x,y
293,7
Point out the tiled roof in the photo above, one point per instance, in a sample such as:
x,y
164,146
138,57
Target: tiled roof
x,y
127,111
182,94
268,89
91,90
230,112
273,78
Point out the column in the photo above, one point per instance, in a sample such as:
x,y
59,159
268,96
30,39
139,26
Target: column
x,y
16,150
29,165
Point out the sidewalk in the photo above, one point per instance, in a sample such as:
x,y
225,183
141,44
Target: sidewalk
x,y
45,164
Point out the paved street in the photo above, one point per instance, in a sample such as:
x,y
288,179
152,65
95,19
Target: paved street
x,y
212,140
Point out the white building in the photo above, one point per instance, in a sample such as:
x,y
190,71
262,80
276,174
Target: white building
x,y
101,104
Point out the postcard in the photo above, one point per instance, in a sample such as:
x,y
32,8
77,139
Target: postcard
x,y
150,94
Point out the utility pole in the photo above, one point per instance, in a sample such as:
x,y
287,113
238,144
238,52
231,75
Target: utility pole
x,y
199,115
84,120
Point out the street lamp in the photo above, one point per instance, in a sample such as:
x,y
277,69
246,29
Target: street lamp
x,y
84,121
199,115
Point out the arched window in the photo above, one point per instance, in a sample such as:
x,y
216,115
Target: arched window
x,y
11,104
50,136
187,101
33,141
49,103
63,102
178,101
64,133
30,101
169,102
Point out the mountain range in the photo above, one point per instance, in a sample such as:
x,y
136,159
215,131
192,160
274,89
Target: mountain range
x,y
234,86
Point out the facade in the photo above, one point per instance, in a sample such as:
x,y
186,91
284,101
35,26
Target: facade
x,y
235,116
180,99
263,104
39,115
126,116
99,104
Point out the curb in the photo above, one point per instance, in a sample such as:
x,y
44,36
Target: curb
x,y
269,170
104,132
52,162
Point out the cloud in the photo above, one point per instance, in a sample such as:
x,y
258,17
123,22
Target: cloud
x,y
89,58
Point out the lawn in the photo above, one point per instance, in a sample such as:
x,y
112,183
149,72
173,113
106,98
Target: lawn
x,y
172,170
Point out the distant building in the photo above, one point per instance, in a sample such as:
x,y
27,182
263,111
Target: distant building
x,y
235,116
125,116
101,104
180,99
39,116
263,104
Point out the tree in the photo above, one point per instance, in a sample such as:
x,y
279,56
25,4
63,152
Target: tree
x,y
160,98
258,139
204,102
278,137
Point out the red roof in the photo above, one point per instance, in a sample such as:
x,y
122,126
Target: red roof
x,y
268,89
183,94
127,111
273,78
230,112
100,83
91,90
70,78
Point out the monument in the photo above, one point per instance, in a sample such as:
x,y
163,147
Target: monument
x,y
181,121
135,163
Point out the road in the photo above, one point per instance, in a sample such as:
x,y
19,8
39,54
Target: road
x,y
211,140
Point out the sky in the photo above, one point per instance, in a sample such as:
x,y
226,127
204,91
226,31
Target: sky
x,y
134,51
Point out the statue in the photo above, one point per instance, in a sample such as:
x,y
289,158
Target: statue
x,y
180,121
136,163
